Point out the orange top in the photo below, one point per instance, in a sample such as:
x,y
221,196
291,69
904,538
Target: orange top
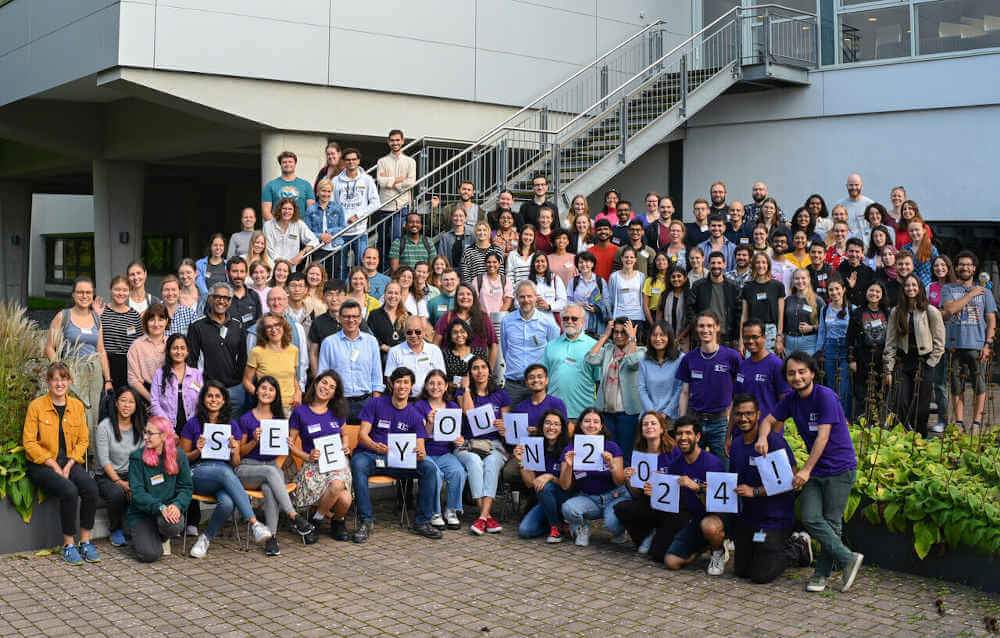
x,y
41,430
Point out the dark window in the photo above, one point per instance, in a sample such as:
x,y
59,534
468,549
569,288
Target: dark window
x,y
68,257
162,253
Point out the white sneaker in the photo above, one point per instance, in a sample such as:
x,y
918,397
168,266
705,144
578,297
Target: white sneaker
x,y
260,532
191,530
451,519
717,563
166,547
619,539
938,427
437,521
646,544
583,535
932,407
200,547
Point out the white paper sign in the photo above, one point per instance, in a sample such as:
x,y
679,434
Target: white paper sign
x,y
666,495
534,454
587,450
481,419
217,441
644,464
402,451
775,472
331,453
447,424
274,437
516,427
720,494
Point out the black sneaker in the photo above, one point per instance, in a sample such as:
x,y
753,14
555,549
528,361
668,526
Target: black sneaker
x,y
338,530
301,525
363,532
271,547
426,530
803,546
311,537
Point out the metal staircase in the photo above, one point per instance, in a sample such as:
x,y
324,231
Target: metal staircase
x,y
583,131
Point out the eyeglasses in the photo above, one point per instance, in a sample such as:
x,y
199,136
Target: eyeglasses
x,y
571,318
351,317
151,433
225,298
414,332
273,326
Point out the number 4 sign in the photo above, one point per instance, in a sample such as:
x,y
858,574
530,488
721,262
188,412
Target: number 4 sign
x,y
720,495
666,495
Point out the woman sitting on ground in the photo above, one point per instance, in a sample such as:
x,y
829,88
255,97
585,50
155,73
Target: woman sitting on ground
x,y
547,513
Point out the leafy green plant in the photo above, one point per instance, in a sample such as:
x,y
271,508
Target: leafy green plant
x,y
947,490
22,375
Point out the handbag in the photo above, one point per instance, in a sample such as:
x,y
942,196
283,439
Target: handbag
x,y
481,447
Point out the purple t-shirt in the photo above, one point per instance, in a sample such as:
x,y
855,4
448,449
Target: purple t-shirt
x,y
312,426
535,412
710,379
432,447
822,407
764,512
192,432
249,423
596,481
499,399
763,381
706,462
664,461
387,418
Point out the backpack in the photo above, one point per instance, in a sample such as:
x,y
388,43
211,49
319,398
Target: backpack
x,y
481,278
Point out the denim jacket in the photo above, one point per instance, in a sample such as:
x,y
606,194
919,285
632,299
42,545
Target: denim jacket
x,y
335,220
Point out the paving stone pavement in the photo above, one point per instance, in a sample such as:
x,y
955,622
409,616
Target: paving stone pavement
x,y
497,585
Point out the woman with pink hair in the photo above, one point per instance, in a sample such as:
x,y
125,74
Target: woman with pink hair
x,y
160,480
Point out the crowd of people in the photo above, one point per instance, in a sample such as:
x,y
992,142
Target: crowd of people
x,y
694,341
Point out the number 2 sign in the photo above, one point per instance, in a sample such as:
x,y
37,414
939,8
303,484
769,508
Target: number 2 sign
x,y
720,495
587,452
666,495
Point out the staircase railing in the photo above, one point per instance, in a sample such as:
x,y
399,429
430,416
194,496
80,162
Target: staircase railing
x,y
597,110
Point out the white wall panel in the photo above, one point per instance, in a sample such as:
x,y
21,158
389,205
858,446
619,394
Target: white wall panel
x,y
385,63
137,34
445,21
315,12
535,31
494,73
227,44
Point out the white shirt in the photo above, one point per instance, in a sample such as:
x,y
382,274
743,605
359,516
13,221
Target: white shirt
x,y
554,294
286,244
402,356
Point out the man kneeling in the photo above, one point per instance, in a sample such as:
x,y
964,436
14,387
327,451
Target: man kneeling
x,y
765,542
393,414
702,529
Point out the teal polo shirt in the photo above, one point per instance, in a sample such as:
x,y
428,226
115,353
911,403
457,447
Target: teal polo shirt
x,y
570,377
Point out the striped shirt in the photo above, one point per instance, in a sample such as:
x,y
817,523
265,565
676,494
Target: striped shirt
x,y
474,261
120,329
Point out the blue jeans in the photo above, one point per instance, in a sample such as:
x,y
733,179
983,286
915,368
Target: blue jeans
x,y
713,437
359,243
484,474
805,343
363,467
238,399
217,478
450,471
623,428
577,510
546,514
837,373
823,501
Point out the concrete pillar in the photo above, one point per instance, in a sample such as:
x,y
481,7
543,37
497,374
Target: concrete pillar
x,y
15,223
119,189
310,148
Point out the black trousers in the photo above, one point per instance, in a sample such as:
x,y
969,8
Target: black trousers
x,y
762,562
148,535
118,366
114,498
913,396
640,520
80,488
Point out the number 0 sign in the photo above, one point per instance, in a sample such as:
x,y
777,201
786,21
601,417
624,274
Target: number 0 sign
x,y
644,465
587,450
720,495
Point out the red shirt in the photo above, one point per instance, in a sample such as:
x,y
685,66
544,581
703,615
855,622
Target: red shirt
x,y
605,259
833,257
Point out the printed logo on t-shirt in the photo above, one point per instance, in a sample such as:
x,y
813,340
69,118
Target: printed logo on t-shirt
x,y
402,427
722,367
813,421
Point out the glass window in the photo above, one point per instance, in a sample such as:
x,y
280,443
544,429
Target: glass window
x,y
957,25
875,34
67,258
161,253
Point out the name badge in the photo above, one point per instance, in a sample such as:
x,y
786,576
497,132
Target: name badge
x,y
656,291
495,291
570,360
739,377
442,308
194,385
87,331
383,424
761,296
697,374
314,428
156,480
579,475
760,537
247,318
293,236
380,461
223,331
876,323
744,240
354,355
424,360
820,277
130,331
814,427
807,309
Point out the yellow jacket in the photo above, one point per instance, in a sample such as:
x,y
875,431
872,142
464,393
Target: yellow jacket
x,y
41,430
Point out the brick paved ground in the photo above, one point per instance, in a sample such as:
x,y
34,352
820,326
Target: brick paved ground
x,y
400,584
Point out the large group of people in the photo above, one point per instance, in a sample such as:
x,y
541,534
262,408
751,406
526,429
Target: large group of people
x,y
691,341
